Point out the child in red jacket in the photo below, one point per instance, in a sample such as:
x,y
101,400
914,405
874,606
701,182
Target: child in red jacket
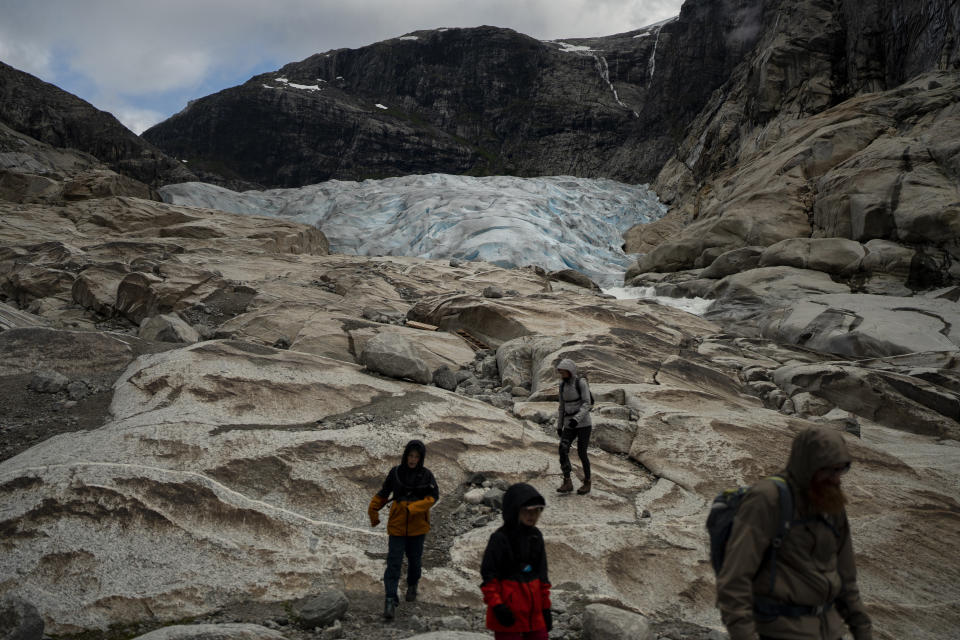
x,y
515,585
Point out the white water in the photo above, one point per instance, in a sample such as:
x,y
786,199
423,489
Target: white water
x,y
696,306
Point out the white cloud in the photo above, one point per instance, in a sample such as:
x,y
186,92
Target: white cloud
x,y
137,120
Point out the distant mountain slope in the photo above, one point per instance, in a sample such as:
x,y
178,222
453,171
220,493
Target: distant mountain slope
x,y
468,101
51,115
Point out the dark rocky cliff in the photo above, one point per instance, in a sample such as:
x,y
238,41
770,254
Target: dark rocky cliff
x,y
51,115
478,101
811,55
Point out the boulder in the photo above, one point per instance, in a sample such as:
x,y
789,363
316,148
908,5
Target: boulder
x,y
19,620
603,622
492,292
886,257
48,382
615,436
225,631
320,610
733,261
168,327
444,378
836,256
574,277
96,287
392,355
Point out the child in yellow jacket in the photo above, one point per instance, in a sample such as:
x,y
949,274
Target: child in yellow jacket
x,y
414,491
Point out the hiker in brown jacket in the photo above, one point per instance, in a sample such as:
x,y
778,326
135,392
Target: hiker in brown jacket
x,y
815,578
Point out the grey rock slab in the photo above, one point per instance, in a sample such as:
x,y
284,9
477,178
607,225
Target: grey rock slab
x,y
320,610
863,325
744,296
603,622
393,355
69,352
226,631
733,261
19,620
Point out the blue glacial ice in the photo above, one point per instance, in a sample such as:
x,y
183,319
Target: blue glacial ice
x,y
555,222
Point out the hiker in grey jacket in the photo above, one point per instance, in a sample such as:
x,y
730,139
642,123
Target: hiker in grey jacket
x,y
813,593
573,423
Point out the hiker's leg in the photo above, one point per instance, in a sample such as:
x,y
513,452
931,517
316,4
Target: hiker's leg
x,y
414,546
391,577
566,440
583,441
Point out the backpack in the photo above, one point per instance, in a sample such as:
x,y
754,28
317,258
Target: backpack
x,y
720,523
576,385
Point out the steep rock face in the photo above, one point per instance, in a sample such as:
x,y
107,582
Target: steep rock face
x,y
53,116
480,101
825,130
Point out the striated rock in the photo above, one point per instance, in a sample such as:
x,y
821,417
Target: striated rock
x,y
603,622
11,318
894,400
224,631
167,328
392,355
68,352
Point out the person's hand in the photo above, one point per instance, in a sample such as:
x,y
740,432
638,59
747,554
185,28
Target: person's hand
x,y
504,615
573,423
548,618
374,519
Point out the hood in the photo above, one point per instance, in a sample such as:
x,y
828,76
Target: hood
x,y
519,495
568,365
414,445
813,449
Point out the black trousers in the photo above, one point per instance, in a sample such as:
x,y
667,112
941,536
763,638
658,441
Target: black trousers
x,y
582,436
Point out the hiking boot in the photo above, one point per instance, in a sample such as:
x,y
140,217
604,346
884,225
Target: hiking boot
x,y
411,593
389,609
567,485
584,488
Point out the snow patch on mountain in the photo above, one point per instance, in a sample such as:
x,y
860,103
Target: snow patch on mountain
x,y
558,222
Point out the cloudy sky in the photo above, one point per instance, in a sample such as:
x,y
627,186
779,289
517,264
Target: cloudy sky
x,y
143,60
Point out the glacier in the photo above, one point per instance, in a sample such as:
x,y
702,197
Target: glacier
x,y
556,222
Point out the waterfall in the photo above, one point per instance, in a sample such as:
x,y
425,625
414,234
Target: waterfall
x,y
604,69
652,65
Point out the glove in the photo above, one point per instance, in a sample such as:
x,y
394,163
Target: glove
x,y
374,519
573,423
504,615
548,618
